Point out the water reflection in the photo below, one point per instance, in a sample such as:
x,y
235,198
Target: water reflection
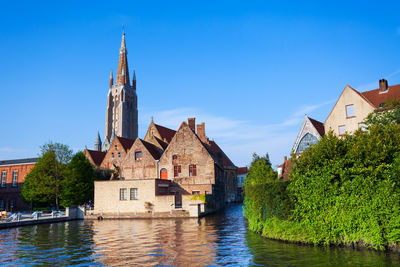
x,y
220,239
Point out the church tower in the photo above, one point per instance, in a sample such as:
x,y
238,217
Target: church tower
x,y
122,113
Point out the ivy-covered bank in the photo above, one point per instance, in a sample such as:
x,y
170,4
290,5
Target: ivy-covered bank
x,y
342,191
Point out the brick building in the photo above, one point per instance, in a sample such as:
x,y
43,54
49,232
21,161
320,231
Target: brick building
x,y
13,174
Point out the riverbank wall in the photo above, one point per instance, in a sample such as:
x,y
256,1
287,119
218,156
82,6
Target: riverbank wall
x,y
71,213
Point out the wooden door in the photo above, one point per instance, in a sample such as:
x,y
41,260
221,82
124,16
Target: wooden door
x,y
178,200
164,174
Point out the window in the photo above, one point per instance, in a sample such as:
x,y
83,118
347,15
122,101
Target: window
x,y
192,170
342,129
174,157
350,111
116,147
112,155
306,142
122,194
138,155
134,194
196,192
177,171
3,179
119,155
15,179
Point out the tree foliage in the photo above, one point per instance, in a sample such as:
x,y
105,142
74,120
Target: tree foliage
x,y
55,177
342,190
260,171
78,182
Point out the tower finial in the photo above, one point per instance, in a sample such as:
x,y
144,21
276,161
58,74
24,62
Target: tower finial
x,y
111,79
123,72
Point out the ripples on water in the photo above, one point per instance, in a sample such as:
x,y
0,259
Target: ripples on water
x,y
220,239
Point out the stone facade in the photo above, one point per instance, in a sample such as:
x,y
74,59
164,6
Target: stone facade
x,y
118,150
12,176
141,162
122,112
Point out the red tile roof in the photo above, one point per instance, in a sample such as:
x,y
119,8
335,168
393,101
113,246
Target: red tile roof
x,y
319,126
97,156
242,170
377,98
125,142
154,151
286,167
166,133
220,154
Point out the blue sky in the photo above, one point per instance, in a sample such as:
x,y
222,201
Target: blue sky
x,y
249,69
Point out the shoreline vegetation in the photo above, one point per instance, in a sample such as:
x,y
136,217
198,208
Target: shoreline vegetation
x,y
343,191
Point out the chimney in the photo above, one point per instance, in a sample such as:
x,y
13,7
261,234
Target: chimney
x,y
192,124
383,85
201,132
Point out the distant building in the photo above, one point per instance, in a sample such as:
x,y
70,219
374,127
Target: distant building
x,y
310,132
122,112
13,174
284,169
241,175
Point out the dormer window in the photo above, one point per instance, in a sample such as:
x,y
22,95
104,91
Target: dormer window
x,y
350,111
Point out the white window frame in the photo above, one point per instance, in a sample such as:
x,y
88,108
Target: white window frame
x,y
122,194
344,128
133,196
14,182
348,110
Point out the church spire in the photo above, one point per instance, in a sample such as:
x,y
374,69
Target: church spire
x,y
111,79
123,72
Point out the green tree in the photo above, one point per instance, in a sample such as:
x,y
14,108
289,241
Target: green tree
x,y
389,113
260,171
43,183
78,186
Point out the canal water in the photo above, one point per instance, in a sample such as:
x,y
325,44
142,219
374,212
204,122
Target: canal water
x,y
219,239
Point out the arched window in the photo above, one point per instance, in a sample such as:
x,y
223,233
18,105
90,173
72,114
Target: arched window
x,y
306,142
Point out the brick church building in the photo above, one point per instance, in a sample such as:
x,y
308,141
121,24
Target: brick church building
x,y
170,169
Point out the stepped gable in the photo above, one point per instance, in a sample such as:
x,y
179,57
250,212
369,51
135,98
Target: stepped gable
x,y
97,156
165,132
319,126
154,151
125,142
377,98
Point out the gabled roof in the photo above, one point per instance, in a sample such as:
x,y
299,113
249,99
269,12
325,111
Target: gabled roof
x,y
242,170
319,126
166,133
221,154
125,142
97,156
18,161
377,98
161,142
153,150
